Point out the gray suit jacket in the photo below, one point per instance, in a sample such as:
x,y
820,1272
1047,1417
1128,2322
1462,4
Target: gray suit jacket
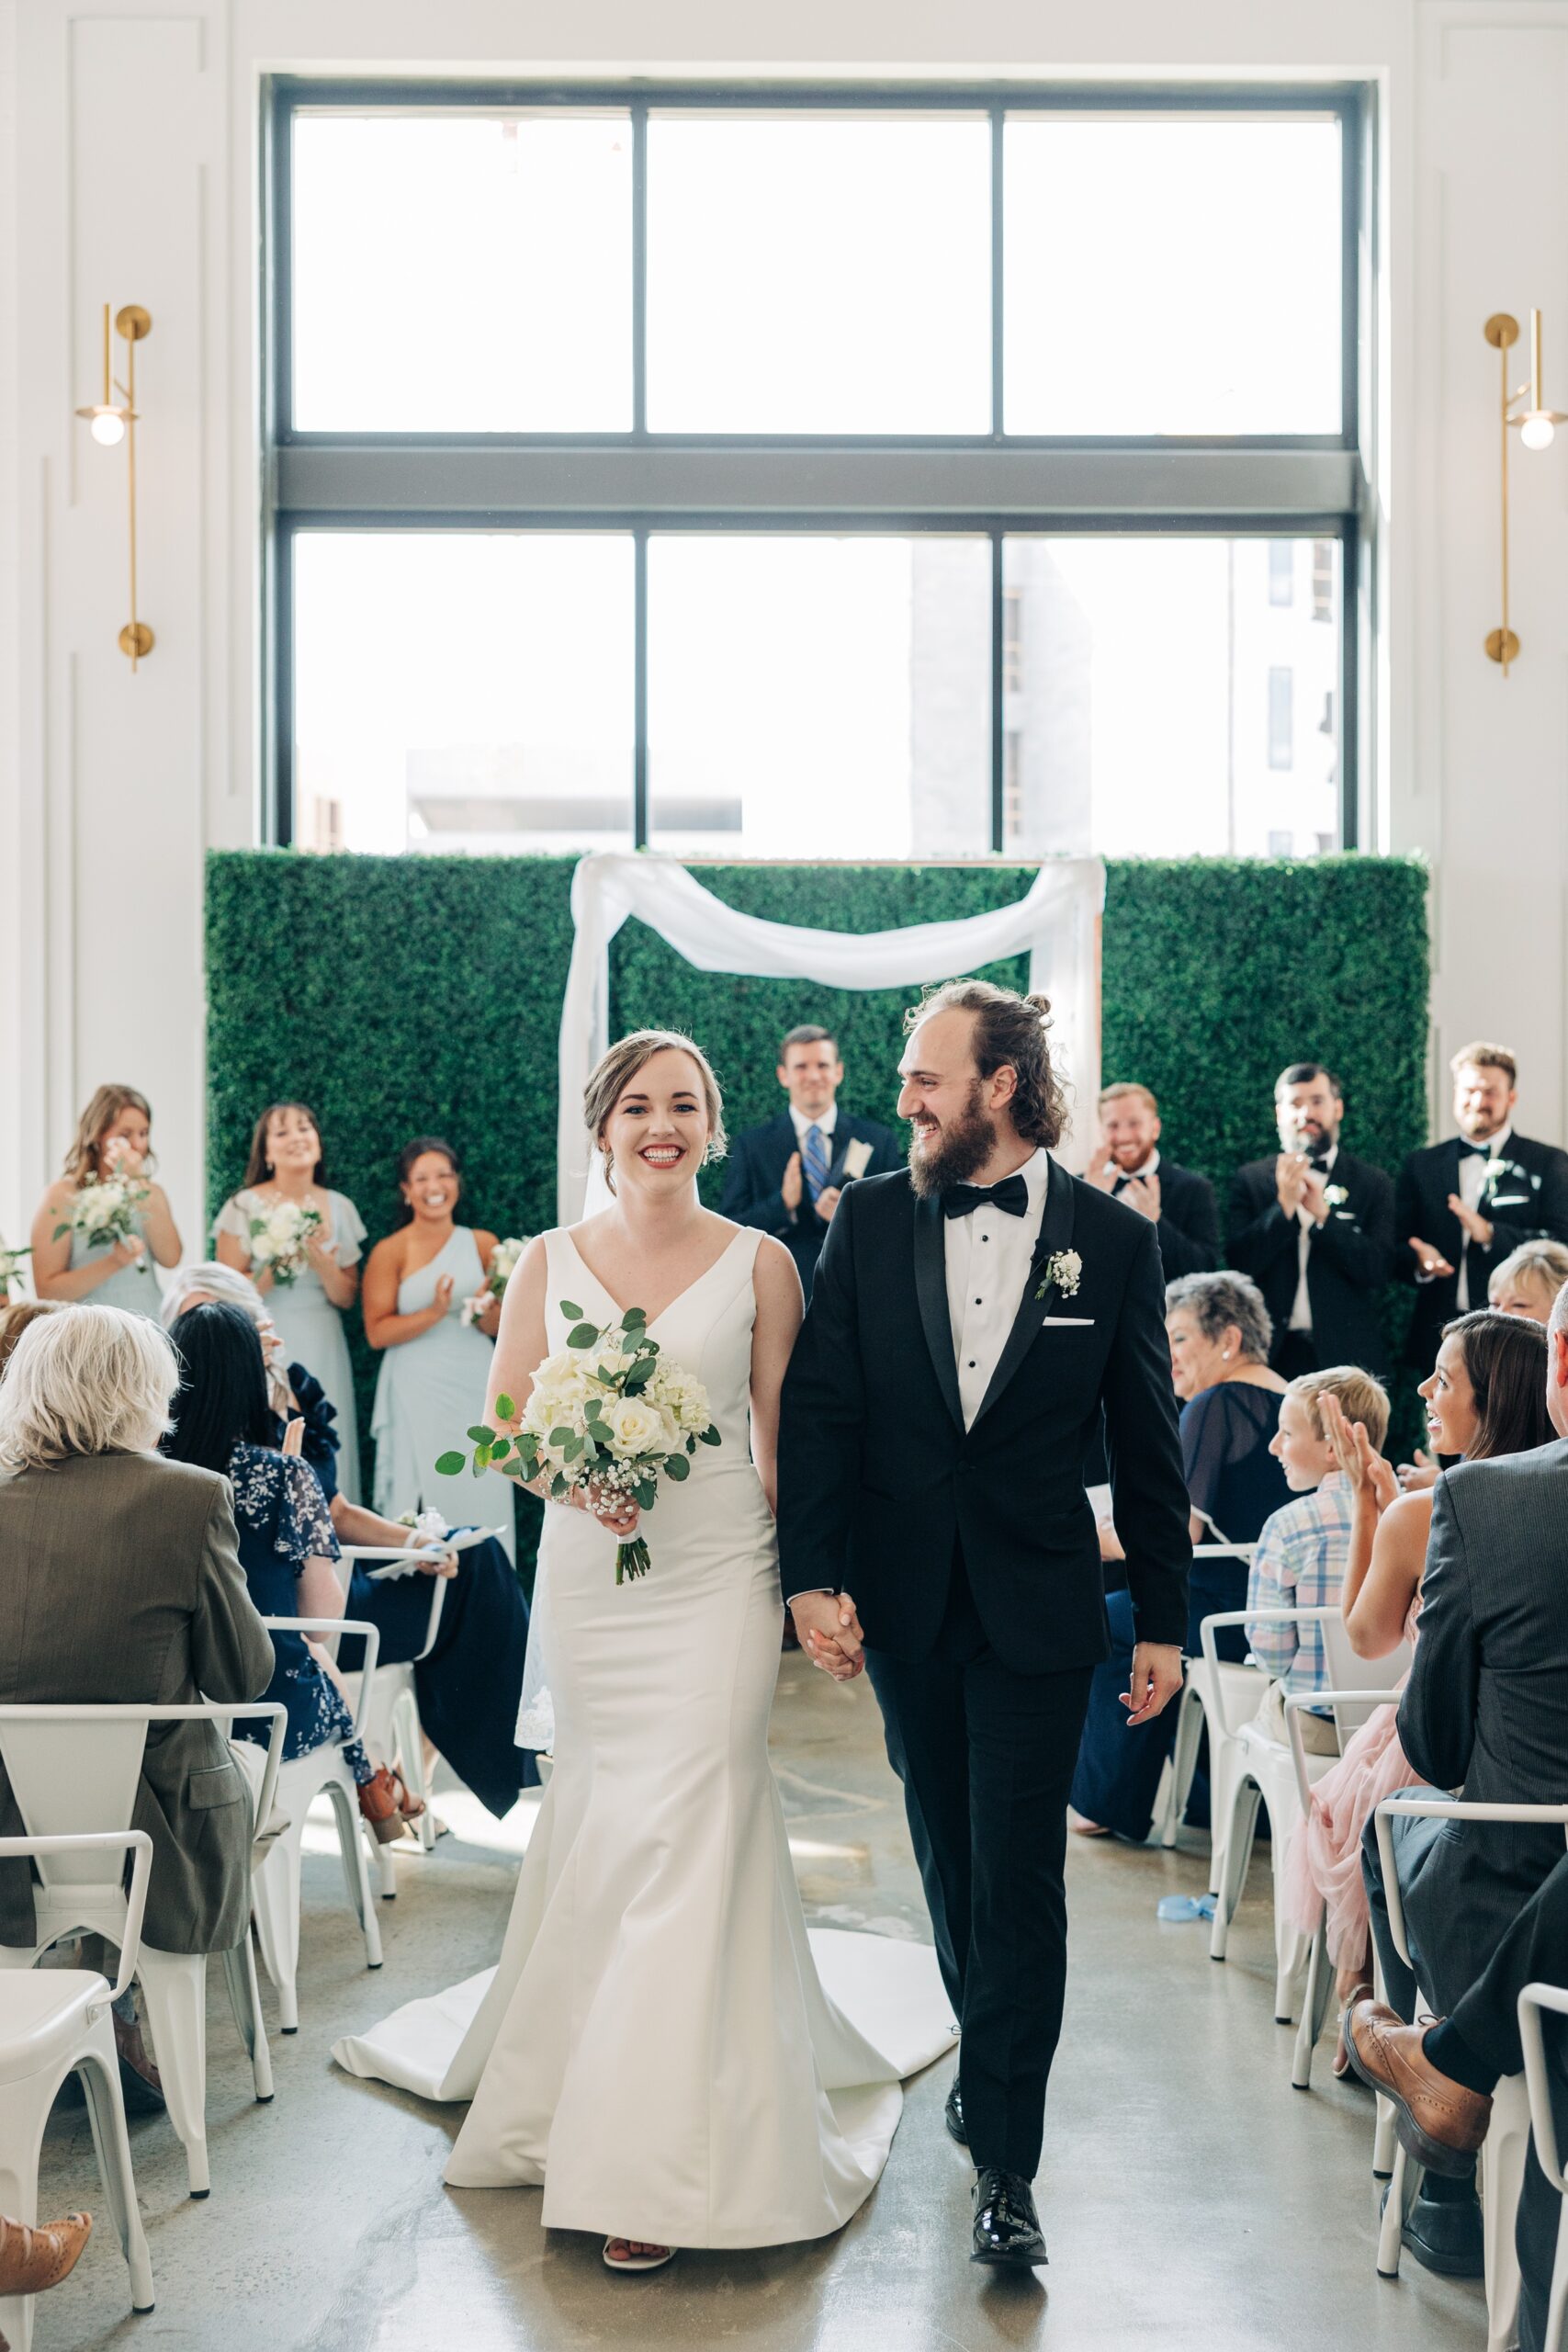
x,y
1486,1705
121,1580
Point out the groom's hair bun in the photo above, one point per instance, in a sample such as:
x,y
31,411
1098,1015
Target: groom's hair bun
x,y
1011,1031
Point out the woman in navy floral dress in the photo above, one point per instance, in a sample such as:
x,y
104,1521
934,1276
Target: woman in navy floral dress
x,y
223,1420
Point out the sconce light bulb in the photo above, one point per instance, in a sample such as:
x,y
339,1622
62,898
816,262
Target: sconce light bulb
x,y
1537,431
107,428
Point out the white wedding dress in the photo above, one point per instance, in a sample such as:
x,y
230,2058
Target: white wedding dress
x,y
656,2047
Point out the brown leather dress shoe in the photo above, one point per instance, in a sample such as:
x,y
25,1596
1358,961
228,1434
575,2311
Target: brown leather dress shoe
x,y
1439,2121
31,2260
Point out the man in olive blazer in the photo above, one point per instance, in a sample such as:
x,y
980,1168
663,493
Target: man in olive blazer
x,y
121,1582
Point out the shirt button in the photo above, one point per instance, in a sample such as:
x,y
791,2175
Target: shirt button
x,y
971,1363
979,1301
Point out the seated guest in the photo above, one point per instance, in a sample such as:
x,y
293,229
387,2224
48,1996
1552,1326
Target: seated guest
x,y
1304,1548
1179,1204
113,1137
1465,1204
223,1422
1314,1227
469,1688
32,2259
1484,1397
308,1289
786,1176
1218,1329
1527,1280
1485,1711
121,1582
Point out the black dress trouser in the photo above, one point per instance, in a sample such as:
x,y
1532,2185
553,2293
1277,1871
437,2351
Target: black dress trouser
x,y
987,1757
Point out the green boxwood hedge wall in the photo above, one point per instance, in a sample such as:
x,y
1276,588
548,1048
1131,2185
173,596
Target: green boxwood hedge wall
x,y
398,995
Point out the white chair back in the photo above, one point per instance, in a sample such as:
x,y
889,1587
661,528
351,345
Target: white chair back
x,y
52,1851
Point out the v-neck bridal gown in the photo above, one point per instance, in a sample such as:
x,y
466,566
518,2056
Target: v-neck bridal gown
x,y
656,2046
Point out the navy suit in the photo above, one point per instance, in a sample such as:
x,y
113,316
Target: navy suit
x,y
1527,1200
753,1183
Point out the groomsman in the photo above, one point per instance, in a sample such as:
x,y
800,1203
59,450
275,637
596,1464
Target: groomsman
x,y
1314,1229
1128,1164
787,1176
1462,1205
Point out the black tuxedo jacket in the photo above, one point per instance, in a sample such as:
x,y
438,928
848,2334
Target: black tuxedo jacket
x,y
1348,1257
1527,1202
757,1162
880,1482
1188,1225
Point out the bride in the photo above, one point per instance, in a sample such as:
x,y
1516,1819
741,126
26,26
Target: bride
x,y
656,2047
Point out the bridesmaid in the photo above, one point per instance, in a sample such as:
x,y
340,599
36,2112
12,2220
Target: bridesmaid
x,y
113,1139
435,1368
288,1163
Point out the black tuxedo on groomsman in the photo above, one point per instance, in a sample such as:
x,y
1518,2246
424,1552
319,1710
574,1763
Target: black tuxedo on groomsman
x,y
967,1540
1188,1224
1526,1200
1347,1268
758,1158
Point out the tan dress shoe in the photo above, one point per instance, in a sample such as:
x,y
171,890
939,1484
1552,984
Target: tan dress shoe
x,y
1439,2121
31,2259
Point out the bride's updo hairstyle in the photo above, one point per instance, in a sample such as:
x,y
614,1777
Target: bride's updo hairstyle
x,y
1014,1030
615,1071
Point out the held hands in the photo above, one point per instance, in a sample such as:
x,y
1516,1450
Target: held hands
x,y
1291,1170
294,1436
829,1630
126,1252
617,1513
793,1183
1315,1194
1143,1194
1372,1479
1430,1259
1474,1224
1414,1476
1155,1679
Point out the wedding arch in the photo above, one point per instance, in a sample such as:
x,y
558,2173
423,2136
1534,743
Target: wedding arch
x,y
1056,922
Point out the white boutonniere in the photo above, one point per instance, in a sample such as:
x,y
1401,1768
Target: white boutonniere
x,y
1065,1271
1495,1170
1334,1194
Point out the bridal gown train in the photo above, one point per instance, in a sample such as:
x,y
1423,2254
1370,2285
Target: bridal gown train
x,y
656,2047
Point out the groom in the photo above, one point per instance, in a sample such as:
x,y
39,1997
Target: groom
x,y
970,1320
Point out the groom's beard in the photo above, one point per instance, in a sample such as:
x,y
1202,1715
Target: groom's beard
x,y
961,1149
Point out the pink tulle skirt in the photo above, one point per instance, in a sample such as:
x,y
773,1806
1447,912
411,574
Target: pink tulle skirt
x,y
1324,1864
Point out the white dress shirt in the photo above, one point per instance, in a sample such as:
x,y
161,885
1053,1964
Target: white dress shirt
x,y
824,1125
989,1256
1300,1311
1472,1185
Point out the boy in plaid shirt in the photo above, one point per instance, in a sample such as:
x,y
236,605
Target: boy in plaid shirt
x,y
1304,1548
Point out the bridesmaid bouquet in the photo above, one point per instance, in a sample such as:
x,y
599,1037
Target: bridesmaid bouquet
x,y
501,1270
281,1239
605,1414
106,1212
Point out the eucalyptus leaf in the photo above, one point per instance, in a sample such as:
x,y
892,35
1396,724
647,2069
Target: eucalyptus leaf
x,y
583,1335
505,1408
710,1436
677,1467
634,1318
560,1437
572,1314
499,1446
450,1466
480,1433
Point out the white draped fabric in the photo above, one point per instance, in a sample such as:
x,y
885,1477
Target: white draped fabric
x,y
1055,923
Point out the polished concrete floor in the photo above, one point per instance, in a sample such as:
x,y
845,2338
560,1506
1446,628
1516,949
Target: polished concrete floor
x,y
1190,2199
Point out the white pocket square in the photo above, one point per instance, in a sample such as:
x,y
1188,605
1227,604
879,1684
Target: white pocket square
x,y
1066,1322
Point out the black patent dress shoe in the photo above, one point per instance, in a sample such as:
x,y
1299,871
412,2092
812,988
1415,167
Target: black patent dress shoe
x,y
953,2114
1444,2235
1007,2228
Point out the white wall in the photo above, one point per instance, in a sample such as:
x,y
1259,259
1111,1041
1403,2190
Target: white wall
x,y
131,176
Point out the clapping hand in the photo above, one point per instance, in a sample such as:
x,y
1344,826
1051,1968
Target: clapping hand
x,y
1365,1468
1315,1194
829,1628
1143,1194
444,1286
1102,1171
1431,1259
792,1182
1290,1180
1475,1225
1422,1473
827,1200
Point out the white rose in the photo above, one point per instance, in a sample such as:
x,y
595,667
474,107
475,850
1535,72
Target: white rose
x,y
639,1426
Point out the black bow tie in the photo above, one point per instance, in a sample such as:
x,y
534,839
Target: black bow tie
x,y
1011,1197
1473,1150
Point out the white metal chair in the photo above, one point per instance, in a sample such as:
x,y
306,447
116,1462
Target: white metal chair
x,y
54,2022
1198,1706
1320,1973
391,1709
1262,1769
277,1881
77,1769
1503,2152
1543,2124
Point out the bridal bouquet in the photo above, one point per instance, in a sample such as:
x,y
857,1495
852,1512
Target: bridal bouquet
x,y
106,1212
281,1239
605,1413
501,1270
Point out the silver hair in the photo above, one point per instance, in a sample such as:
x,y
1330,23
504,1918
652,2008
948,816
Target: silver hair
x,y
231,1288
1558,1326
1219,1302
93,1380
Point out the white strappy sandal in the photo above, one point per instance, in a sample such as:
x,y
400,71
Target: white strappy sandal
x,y
637,2261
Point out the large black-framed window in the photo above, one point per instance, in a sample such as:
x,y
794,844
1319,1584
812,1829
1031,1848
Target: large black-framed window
x,y
994,512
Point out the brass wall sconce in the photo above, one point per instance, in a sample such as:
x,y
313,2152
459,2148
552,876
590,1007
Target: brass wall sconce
x,y
112,420
1537,425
